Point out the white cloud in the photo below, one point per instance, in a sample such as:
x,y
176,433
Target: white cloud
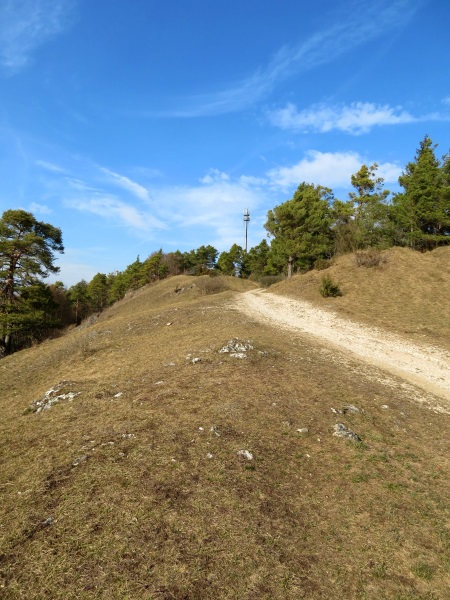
x,y
112,208
214,175
330,169
42,209
355,118
249,180
27,24
446,100
48,166
127,184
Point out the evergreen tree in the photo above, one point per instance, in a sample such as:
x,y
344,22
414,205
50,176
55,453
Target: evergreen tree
x,y
421,213
344,227
257,258
153,268
80,300
27,254
205,259
233,262
370,211
301,226
98,292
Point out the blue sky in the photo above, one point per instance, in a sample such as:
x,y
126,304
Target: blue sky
x,y
141,125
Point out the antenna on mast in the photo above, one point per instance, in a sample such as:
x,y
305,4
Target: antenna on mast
x,y
246,222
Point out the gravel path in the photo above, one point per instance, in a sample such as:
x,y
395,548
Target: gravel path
x,y
427,367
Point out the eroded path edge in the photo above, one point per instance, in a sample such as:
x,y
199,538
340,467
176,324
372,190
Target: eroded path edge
x,y
427,367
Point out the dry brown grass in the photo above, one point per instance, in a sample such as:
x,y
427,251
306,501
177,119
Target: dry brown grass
x,y
113,494
407,293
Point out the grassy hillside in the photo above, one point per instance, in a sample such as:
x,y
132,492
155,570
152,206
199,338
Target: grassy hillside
x,y
136,487
409,292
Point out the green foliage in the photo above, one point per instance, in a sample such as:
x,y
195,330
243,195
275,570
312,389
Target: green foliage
x,y
421,214
234,262
329,289
205,258
78,296
27,249
302,227
321,264
97,291
258,258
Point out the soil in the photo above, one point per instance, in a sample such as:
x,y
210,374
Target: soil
x,y
424,366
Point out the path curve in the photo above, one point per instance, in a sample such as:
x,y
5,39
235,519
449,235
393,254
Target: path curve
x,y
427,367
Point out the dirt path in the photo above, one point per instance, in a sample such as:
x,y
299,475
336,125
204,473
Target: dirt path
x,y
427,367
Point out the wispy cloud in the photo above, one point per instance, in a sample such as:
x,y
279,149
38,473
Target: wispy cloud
x,y
27,24
127,184
330,169
115,209
364,22
355,118
49,166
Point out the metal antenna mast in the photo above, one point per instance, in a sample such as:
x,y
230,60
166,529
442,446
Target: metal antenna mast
x,y
246,222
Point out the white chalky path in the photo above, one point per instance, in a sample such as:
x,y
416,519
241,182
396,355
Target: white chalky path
x,y
427,367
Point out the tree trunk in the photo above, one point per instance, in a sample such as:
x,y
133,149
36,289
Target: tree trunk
x,y
290,263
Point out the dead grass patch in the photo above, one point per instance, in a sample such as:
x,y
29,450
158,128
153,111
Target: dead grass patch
x,y
135,488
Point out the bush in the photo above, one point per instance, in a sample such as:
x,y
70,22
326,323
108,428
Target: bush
x,y
268,280
328,288
321,264
369,258
211,285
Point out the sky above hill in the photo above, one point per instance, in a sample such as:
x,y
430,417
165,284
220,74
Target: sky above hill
x,y
135,126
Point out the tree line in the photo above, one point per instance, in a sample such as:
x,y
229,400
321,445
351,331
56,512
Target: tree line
x,y
306,231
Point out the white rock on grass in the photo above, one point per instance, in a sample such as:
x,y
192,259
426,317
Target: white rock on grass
x,y
245,454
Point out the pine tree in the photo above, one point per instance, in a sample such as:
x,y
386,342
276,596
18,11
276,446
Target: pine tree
x,y
27,254
301,226
422,212
370,210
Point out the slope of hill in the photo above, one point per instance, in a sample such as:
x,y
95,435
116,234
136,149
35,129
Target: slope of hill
x,y
163,468
408,292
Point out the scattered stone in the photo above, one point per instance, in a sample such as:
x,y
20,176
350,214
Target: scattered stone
x,y
196,360
340,430
201,429
52,397
384,406
215,430
171,364
348,408
303,430
236,348
245,454
79,460
48,522
170,323
209,455
118,394
158,382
